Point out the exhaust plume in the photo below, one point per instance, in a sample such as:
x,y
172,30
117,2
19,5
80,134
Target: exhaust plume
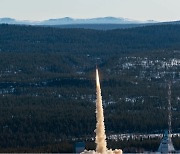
x,y
100,128
101,144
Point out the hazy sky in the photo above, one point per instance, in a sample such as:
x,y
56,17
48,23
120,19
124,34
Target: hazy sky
x,y
160,10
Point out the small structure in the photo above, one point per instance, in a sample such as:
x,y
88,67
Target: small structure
x,y
79,147
166,145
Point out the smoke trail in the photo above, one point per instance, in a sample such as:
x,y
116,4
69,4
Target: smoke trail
x,y
100,128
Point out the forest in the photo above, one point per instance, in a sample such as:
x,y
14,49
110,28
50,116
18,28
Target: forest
x,y
47,85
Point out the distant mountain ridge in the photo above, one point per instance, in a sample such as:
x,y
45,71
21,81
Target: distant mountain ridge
x,y
105,20
70,21
14,21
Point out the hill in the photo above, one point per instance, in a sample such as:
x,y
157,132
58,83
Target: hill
x,y
70,21
47,87
43,39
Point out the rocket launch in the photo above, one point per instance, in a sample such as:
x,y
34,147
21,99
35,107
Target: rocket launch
x,y
100,128
101,144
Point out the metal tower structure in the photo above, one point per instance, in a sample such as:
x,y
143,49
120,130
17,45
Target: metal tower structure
x,y
169,109
166,145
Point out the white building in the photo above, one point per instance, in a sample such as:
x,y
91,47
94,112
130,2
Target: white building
x,y
166,145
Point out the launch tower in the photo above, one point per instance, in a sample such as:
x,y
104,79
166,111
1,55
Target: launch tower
x,y
166,145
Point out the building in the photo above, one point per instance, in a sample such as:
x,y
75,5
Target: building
x,y
166,145
79,147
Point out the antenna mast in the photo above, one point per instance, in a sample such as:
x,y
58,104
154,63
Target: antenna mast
x,y
169,109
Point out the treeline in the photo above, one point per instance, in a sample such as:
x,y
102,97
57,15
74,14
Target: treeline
x,y
45,39
37,121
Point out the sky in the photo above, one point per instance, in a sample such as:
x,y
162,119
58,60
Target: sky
x,y
37,10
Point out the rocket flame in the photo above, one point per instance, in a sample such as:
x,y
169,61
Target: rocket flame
x,y
101,144
97,79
